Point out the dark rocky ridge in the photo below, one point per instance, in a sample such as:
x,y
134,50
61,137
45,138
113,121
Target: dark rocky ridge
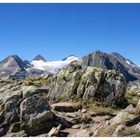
x,y
112,61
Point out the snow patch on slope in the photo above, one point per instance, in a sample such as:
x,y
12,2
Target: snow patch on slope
x,y
128,62
131,64
53,66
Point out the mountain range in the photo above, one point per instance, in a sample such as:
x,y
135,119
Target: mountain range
x,y
14,65
96,95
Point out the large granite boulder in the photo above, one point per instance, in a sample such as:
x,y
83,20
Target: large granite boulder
x,y
88,83
35,114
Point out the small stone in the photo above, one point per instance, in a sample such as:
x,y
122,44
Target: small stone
x,y
54,131
129,108
139,102
99,119
84,126
77,126
93,114
137,128
72,115
83,110
65,107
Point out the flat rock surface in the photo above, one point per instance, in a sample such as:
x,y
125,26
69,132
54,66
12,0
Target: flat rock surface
x,y
65,107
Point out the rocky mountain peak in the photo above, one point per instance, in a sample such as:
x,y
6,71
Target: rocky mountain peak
x,y
68,57
13,61
112,61
40,57
12,57
12,65
98,52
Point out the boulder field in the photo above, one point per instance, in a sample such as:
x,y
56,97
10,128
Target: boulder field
x,y
47,110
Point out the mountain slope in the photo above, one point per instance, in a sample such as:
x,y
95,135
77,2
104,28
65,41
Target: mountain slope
x,y
12,65
112,61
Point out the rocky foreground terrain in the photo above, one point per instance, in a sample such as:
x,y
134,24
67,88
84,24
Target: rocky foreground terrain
x,y
78,101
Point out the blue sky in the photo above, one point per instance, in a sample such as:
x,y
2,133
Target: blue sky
x,y
58,30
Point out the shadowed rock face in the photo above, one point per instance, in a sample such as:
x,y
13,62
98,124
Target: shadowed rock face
x,y
112,61
88,82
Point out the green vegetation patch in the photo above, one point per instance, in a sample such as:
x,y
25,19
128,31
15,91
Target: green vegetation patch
x,y
35,81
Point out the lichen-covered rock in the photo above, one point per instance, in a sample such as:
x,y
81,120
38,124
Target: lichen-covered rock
x,y
66,82
29,91
88,83
35,114
121,118
9,87
10,111
114,126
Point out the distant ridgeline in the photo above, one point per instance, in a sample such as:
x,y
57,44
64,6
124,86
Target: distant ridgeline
x,y
15,66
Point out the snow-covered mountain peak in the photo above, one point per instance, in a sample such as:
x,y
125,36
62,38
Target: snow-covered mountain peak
x,y
71,58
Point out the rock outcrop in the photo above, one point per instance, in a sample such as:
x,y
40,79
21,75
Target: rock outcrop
x,y
88,83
